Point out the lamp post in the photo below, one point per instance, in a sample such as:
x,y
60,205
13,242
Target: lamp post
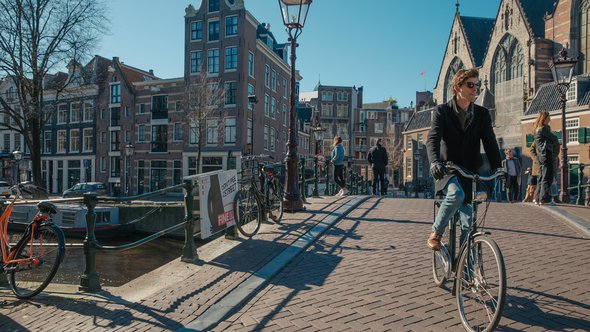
x,y
294,13
253,100
562,70
129,150
18,156
318,133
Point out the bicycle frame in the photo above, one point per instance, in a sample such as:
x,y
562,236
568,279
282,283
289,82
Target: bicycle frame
x,y
472,232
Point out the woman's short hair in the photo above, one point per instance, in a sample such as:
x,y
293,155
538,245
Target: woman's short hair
x,y
337,140
461,77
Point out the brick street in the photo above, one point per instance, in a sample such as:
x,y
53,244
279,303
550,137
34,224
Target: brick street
x,y
370,271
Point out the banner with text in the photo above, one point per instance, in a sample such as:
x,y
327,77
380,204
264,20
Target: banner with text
x,y
217,191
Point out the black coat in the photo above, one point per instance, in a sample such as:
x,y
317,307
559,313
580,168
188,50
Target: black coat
x,y
377,156
448,142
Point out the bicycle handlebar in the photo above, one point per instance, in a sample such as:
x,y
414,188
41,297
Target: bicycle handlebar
x,y
469,175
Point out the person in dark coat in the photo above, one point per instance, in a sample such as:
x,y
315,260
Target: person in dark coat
x,y
457,130
378,159
513,169
545,145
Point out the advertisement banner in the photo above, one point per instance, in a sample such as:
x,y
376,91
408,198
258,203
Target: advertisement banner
x,y
217,191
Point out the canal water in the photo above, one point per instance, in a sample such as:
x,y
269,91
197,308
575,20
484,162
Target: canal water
x,y
116,268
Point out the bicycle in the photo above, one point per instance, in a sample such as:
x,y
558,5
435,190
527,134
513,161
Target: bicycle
x,y
32,262
260,193
480,290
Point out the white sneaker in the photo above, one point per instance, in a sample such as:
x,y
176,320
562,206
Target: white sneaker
x,y
345,192
340,193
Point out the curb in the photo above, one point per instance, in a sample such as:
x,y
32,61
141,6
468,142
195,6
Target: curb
x,y
226,305
578,222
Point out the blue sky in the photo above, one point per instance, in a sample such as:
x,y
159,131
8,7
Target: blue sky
x,y
382,45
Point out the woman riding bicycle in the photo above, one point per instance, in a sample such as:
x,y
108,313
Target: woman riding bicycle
x,y
455,134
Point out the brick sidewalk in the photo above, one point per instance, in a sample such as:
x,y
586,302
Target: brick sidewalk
x,y
370,271
194,289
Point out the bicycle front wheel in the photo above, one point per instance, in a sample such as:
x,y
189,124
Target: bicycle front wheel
x,y
248,212
41,255
481,285
275,200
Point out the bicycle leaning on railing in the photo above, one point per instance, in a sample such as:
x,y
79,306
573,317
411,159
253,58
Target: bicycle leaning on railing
x,y
260,193
32,262
478,269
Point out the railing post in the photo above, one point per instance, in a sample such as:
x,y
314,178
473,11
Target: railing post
x,y
580,179
303,187
89,282
316,174
327,189
189,251
353,183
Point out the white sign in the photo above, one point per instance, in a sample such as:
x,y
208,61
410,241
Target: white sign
x,y
217,191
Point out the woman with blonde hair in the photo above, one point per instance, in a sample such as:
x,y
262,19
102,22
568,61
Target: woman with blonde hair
x,y
338,161
546,144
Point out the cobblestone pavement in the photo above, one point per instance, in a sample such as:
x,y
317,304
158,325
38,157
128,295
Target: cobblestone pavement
x,y
371,271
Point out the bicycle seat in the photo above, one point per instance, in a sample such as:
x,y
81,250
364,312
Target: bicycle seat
x,y
47,207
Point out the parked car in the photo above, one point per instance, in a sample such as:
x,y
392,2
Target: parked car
x,y
81,188
4,189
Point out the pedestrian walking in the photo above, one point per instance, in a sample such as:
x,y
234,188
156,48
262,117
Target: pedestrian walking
x,y
338,162
512,166
535,171
545,142
531,186
378,159
457,132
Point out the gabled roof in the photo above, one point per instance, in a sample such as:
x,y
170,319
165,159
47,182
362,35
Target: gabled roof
x,y
547,97
534,12
486,99
478,31
420,120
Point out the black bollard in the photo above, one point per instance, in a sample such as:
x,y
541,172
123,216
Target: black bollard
x,y
89,282
189,251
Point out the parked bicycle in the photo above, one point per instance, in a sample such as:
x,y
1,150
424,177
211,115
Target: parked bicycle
x,y
260,193
31,263
478,268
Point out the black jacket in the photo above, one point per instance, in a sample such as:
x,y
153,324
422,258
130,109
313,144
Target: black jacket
x,y
448,142
378,156
546,142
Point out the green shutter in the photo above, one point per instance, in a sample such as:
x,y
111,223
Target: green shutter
x,y
581,135
588,135
558,134
530,138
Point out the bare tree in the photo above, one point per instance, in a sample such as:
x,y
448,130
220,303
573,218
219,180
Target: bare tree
x,y
36,37
394,147
203,100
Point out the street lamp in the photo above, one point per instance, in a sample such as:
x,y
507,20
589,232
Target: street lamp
x,y
18,156
294,13
253,100
562,70
129,149
318,133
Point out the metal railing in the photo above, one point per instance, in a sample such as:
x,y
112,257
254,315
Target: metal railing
x,y
581,199
310,175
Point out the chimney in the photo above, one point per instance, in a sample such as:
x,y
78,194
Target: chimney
x,y
151,72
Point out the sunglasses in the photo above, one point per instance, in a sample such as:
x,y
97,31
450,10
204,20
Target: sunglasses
x,y
472,85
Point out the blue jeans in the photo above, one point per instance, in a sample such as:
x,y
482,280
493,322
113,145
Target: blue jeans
x,y
454,197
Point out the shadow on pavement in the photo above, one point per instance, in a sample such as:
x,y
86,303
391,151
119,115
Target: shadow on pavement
x,y
526,310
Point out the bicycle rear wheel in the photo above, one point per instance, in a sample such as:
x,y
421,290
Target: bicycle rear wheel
x,y
248,212
481,285
275,200
43,254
